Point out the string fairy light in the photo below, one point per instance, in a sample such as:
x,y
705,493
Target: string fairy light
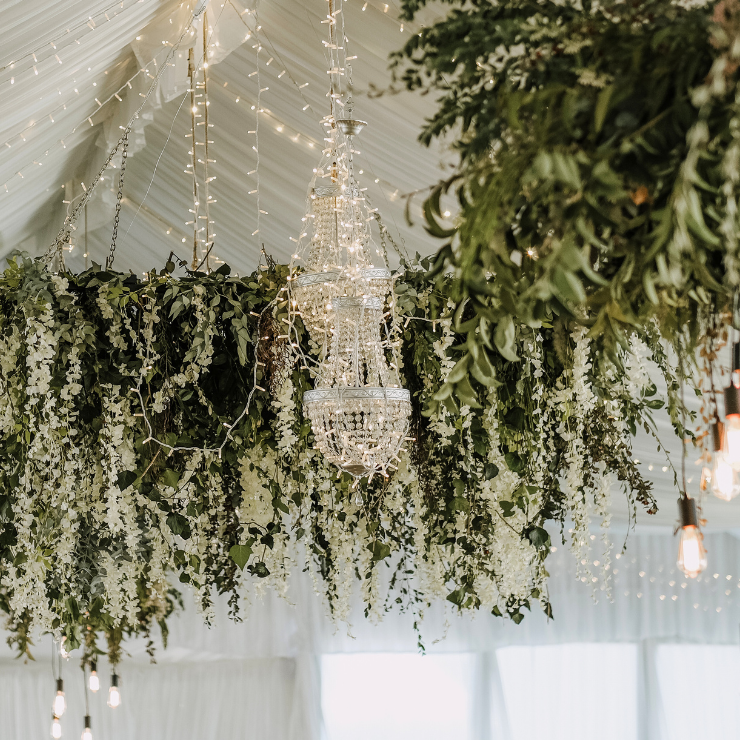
x,y
257,116
145,70
56,111
62,238
70,34
87,119
638,578
285,71
202,246
383,9
193,159
208,239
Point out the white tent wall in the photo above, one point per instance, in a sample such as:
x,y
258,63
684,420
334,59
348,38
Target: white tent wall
x,y
260,678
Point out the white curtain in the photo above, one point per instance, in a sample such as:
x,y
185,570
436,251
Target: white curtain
x,y
263,678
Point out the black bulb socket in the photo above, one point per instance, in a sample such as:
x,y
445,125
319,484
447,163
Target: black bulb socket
x,y
718,435
732,401
114,680
93,666
60,685
87,722
687,512
735,356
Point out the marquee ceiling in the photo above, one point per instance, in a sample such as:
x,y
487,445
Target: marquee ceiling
x,y
51,104
63,65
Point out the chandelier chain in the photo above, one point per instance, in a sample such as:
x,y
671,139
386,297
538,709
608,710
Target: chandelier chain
x,y
119,198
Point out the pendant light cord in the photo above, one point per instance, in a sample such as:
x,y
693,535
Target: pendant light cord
x,y
53,661
683,422
87,702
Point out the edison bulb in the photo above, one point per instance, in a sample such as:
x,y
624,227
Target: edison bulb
x,y
60,703
692,557
56,728
94,681
114,693
731,446
86,733
725,479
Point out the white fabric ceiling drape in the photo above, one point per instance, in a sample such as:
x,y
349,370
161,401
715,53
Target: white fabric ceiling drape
x,y
38,111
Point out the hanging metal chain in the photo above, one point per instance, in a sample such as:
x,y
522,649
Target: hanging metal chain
x,y
117,217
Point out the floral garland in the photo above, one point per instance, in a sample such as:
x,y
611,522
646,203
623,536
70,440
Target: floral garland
x,y
152,430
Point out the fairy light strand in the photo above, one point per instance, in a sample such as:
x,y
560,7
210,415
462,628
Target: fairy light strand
x,y
285,69
257,115
193,157
87,119
53,43
207,245
68,226
100,103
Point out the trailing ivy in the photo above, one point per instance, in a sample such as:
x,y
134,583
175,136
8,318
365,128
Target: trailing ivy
x,y
151,433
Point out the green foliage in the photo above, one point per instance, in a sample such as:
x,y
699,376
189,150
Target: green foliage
x,y
152,430
598,163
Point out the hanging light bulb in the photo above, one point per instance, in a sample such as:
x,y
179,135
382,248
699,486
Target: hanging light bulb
x,y
692,557
60,703
87,732
725,479
731,445
114,693
94,681
56,727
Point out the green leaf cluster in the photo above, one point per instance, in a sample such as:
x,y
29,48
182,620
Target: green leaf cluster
x,y
598,170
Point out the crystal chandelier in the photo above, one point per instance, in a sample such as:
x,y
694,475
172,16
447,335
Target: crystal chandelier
x,y
358,411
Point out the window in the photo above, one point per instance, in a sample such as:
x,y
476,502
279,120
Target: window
x,y
566,692
577,691
699,687
397,696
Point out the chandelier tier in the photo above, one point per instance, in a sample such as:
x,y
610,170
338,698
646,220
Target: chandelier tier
x,y
358,411
336,254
